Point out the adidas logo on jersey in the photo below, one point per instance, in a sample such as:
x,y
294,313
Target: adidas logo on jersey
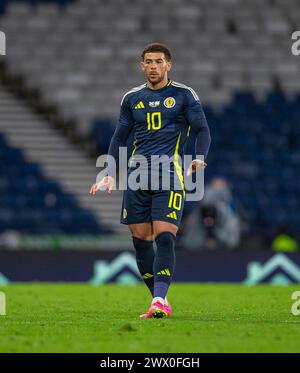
x,y
140,105
172,215
165,272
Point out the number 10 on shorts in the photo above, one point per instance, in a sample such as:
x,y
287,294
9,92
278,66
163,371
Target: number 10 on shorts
x,y
175,201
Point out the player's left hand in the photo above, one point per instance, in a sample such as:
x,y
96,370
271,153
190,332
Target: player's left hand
x,y
195,165
107,183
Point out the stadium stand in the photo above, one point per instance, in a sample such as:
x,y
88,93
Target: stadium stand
x,y
83,56
256,147
32,203
58,158
69,55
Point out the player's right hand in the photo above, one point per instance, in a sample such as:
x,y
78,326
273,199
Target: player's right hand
x,y
107,184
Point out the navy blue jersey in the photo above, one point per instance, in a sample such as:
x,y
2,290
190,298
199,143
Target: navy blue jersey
x,y
161,118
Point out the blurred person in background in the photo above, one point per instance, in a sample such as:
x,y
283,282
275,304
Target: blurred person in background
x,y
214,223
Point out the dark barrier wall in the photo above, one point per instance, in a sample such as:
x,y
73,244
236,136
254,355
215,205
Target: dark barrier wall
x,y
250,267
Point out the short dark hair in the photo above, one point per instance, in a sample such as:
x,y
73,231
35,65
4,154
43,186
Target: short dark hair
x,y
157,47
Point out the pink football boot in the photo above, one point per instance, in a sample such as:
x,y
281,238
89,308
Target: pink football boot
x,y
146,315
157,311
168,308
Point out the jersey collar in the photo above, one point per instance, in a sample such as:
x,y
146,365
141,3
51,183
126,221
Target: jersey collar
x,y
160,89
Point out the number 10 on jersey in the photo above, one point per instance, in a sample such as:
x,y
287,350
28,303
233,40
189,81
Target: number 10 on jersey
x,y
154,120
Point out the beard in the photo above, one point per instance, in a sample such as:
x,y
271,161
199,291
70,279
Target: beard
x,y
156,79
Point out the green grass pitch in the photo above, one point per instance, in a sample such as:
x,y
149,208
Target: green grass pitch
x,y
206,318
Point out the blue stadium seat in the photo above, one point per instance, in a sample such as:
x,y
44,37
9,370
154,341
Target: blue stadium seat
x,y
102,131
37,205
256,147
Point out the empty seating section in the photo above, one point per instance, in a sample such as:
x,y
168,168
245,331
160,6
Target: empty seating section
x,y
31,203
256,146
4,3
84,56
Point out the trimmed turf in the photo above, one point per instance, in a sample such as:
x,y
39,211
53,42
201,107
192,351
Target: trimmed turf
x,y
207,318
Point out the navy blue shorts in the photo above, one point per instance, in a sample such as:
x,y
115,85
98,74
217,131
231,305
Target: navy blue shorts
x,y
143,206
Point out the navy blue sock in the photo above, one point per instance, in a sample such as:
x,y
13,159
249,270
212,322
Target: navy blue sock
x,y
144,259
164,263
